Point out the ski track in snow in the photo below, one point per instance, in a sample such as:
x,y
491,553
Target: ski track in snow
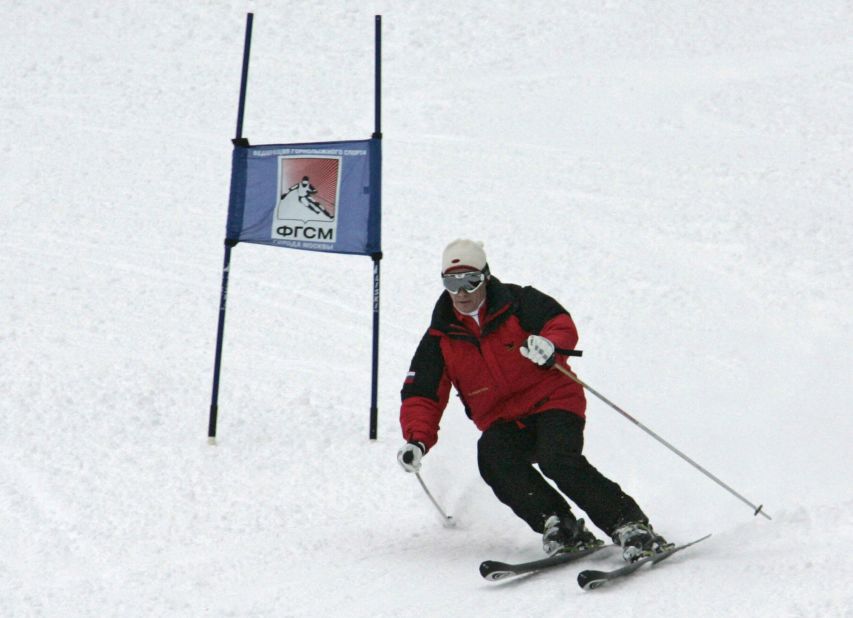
x,y
678,176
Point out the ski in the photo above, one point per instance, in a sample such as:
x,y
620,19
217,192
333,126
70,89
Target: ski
x,y
590,579
494,570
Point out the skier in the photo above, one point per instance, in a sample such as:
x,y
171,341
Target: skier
x,y
495,343
303,191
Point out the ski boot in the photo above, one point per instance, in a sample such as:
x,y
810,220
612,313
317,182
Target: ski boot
x,y
638,540
567,535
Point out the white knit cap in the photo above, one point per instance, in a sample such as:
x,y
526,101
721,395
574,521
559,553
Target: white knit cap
x,y
463,253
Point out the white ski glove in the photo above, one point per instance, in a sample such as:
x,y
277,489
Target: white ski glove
x,y
539,350
410,455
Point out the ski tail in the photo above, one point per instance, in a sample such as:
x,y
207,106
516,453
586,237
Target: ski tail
x,y
591,579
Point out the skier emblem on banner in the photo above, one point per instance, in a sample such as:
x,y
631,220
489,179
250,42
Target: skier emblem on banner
x,y
302,192
308,198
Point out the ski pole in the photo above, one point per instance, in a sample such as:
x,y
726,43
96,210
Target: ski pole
x,y
446,520
756,509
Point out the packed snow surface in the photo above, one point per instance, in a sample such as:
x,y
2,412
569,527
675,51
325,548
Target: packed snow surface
x,y
677,174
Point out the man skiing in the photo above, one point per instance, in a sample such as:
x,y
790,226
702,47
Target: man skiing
x,y
495,343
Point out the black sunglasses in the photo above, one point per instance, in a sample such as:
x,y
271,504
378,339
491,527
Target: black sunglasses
x,y
470,281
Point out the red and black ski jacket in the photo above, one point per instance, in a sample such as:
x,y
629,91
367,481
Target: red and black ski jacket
x,y
493,380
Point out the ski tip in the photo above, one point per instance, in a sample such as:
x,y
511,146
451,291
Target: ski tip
x,y
590,580
494,571
487,567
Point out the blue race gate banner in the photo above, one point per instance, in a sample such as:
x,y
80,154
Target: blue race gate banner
x,y
322,196
318,197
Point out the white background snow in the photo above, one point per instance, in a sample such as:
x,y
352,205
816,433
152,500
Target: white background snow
x,y
677,174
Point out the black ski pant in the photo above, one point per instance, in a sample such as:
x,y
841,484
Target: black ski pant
x,y
553,439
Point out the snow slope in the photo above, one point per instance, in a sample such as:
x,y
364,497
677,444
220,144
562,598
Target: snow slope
x,y
677,174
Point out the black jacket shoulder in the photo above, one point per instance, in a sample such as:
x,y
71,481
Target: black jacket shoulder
x,y
536,309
